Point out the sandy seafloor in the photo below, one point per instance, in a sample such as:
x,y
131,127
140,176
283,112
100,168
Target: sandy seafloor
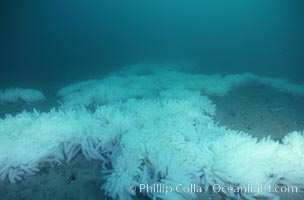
x,y
257,110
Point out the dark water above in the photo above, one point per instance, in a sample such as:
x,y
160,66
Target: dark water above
x,y
44,43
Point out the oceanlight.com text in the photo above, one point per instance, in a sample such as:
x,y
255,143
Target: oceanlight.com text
x,y
216,188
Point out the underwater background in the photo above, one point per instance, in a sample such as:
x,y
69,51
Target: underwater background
x,y
125,92
46,42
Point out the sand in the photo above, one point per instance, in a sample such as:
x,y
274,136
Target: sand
x,y
260,111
